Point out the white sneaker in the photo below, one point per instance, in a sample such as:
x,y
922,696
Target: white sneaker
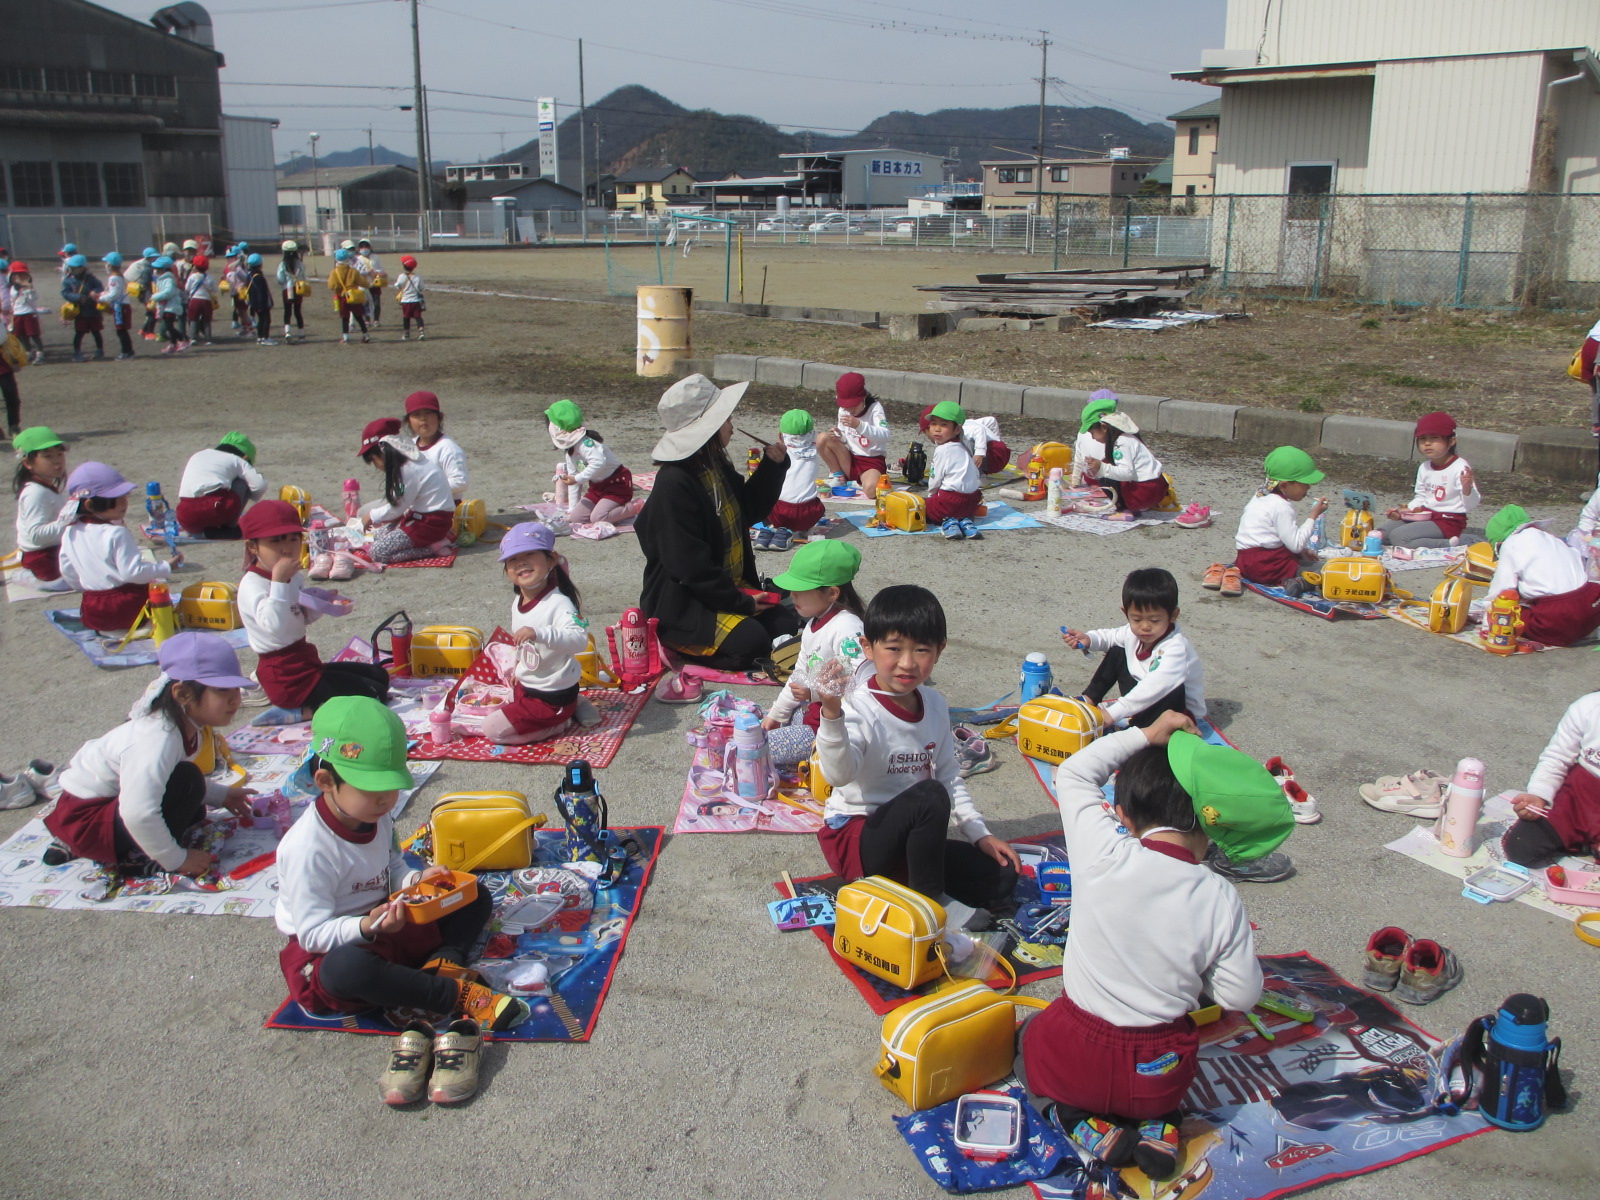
x,y
44,777
587,716
254,696
16,791
55,585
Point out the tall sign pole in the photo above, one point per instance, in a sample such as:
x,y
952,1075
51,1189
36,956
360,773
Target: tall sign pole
x,y
1038,176
583,150
422,140
548,165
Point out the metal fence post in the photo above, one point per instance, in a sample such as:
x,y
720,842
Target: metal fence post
x,y
1055,233
1316,261
1227,245
1127,226
1464,264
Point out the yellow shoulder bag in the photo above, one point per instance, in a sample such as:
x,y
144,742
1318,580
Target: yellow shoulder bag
x,y
886,929
209,605
1359,579
445,650
1055,728
957,1040
479,831
905,510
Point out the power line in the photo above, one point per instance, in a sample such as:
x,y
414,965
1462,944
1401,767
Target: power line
x,y
865,21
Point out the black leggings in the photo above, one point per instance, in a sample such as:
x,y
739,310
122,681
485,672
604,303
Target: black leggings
x,y
291,308
349,679
347,313
183,804
169,328
906,838
1535,844
750,639
8,389
263,318
125,340
357,972
377,303
149,319
99,342
1113,670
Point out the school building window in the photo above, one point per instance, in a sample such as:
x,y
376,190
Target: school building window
x,y
1058,174
66,79
155,85
19,79
1189,189
80,184
1194,139
624,189
33,184
125,185
1014,174
113,83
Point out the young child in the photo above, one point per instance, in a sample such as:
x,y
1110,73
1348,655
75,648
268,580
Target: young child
x,y
25,309
370,265
1560,604
169,302
855,447
408,287
350,946
200,290
291,274
1127,469
291,672
417,509
799,508
954,488
600,488
821,586
1271,548
344,281
1560,809
83,289
1152,664
129,796
1152,931
143,273
884,743
11,394
982,435
42,513
549,632
425,419
99,556
237,274
1445,492
1088,453
259,303
216,486
115,298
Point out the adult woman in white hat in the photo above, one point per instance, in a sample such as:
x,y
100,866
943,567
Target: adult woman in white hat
x,y
699,569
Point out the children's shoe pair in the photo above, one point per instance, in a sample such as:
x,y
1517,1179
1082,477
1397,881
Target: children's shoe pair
x,y
1152,1145
1418,794
444,1066
1196,516
1220,577
768,538
956,528
37,781
1416,970
681,689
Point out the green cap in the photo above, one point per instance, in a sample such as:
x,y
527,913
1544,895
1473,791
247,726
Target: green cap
x,y
1506,522
238,439
363,741
1095,411
564,415
948,410
1290,464
1241,807
822,563
34,439
796,423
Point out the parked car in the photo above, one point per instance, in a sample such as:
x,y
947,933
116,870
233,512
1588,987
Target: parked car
x,y
835,223
782,225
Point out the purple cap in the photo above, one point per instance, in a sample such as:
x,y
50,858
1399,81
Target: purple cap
x,y
98,480
195,657
529,535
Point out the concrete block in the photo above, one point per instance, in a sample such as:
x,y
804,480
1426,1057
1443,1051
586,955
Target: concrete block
x,y
784,372
1371,436
885,385
734,367
989,396
917,388
820,377
982,324
1488,451
1145,410
1055,404
1278,427
1057,323
833,316
686,367
1194,418
915,327
1557,453
1022,325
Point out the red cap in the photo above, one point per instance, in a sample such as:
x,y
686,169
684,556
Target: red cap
x,y
851,389
17,267
922,421
269,518
423,402
201,262
408,262
1435,424
375,432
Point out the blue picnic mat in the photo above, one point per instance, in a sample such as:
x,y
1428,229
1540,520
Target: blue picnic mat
x,y
1328,610
931,1134
101,648
999,516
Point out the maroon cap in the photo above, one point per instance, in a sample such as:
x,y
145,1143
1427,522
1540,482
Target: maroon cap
x,y
376,431
851,389
922,421
270,518
423,402
1435,424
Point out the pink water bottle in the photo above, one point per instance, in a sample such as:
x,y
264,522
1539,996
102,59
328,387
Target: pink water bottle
x,y
747,767
352,498
439,731
563,489
1457,828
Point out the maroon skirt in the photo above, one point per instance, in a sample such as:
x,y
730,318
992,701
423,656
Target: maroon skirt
x,y
196,514
289,676
25,325
424,529
1267,565
87,827
1082,1061
1146,494
89,322
942,505
995,456
798,517
1562,620
113,610
616,487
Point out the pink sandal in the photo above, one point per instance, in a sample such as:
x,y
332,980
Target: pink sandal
x,y
321,566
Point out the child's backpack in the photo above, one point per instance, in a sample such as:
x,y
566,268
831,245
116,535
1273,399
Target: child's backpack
x,y
1520,1064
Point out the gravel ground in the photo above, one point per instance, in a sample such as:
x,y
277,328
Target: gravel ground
x,y
743,1058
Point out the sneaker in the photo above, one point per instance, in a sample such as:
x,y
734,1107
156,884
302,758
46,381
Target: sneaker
x,y
1232,582
1212,579
782,539
184,345
1386,951
970,530
1270,868
125,358
80,358
1196,516
99,356
273,715
493,1010
1106,1140
420,335
959,946
45,777
764,536
449,968
972,752
254,696
681,689
456,1053
405,1080
169,348
951,528
1419,794
267,342
56,853
1157,1152
16,791
344,339
1428,971
1302,804
365,339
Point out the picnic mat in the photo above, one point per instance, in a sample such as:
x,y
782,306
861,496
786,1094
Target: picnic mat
x,y
101,648
714,674
999,517
1415,614
411,699
1104,526
1351,1092
25,882
22,585
1423,558
791,811
644,481
366,561
581,962
1328,610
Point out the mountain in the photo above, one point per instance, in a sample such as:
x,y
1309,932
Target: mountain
x,y
709,139
350,158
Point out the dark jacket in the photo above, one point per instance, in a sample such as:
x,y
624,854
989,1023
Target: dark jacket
x,y
685,580
259,291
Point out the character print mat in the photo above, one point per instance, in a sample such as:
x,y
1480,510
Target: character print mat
x,y
1415,614
1077,522
999,517
246,884
547,510
1352,1091
707,808
1328,610
547,916
101,648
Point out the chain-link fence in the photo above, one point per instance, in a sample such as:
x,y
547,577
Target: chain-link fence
x,y
40,235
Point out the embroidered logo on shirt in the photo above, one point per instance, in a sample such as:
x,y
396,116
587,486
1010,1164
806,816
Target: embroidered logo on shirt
x,y
1158,1066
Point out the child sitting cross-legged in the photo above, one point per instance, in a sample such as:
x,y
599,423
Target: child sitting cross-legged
x,y
953,484
1153,932
350,946
418,512
99,556
43,513
885,745
1127,469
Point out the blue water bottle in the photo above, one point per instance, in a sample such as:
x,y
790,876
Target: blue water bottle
x,y
1372,546
1036,676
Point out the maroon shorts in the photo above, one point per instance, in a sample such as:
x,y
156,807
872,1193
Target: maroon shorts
x,y
288,676
113,610
408,946
1078,1059
200,309
798,517
1575,811
92,321
87,827
424,529
530,711
1562,620
842,848
348,309
1450,524
995,456
45,564
859,466
196,514
1269,565
411,312
1146,494
616,487
25,325
943,505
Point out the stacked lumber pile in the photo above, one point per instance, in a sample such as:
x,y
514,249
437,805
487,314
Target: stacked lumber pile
x,y
1089,294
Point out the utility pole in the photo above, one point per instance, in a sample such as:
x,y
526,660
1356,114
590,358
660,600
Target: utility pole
x,y
583,153
422,141
370,161
1044,75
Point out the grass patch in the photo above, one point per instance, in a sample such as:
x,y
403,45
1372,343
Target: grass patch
x,y
1396,379
1310,405
1372,323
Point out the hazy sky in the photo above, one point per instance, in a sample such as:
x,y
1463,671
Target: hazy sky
x,y
832,64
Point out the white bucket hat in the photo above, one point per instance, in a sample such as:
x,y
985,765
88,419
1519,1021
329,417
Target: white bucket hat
x,y
1122,421
691,410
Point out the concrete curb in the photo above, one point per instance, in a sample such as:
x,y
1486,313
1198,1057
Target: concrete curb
x,y
1552,452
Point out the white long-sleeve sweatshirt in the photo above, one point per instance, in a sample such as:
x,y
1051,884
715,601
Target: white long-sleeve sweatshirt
x,y
97,558
43,515
272,613
590,461
1150,931
1589,519
410,286
1171,661
870,754
133,763
1440,490
1087,456
1130,461
425,489
1576,742
952,469
1536,564
560,632
214,470
329,877
1267,522
979,432
835,634
870,438
452,460
800,479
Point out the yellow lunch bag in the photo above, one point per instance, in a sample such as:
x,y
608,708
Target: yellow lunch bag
x,y
814,780
210,604
14,352
480,831
954,1041
1575,367
1354,528
136,289
299,497
1354,579
1447,607
356,295
471,524
69,310
1479,564
905,510
444,650
1055,728
1169,501
380,279
224,285
886,929
594,671
302,288
1052,455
